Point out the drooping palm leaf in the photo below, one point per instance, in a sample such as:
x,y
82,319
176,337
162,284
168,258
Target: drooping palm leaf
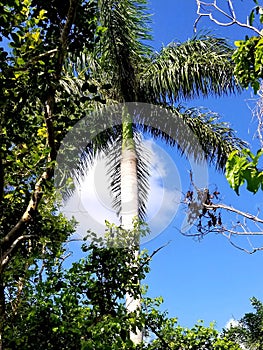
x,y
195,132
200,66
107,143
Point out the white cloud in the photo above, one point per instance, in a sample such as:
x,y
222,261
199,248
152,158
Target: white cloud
x,y
231,323
91,202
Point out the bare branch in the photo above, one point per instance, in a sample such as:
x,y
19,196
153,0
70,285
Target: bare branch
x,y
204,9
231,9
235,245
158,249
207,217
234,210
257,112
229,234
155,252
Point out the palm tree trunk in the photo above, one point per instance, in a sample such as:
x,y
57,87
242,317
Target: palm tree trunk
x,y
130,202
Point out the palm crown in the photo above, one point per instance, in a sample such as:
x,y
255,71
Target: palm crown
x,y
134,72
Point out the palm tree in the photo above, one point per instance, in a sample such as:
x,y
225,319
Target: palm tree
x,y
134,72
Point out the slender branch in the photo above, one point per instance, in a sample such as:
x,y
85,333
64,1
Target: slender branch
x,y
62,259
33,61
234,210
158,249
49,108
65,33
42,55
68,25
14,233
228,234
221,230
202,5
231,8
257,112
252,251
6,256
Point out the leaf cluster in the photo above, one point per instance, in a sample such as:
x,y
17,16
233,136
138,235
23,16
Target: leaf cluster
x,y
244,167
248,57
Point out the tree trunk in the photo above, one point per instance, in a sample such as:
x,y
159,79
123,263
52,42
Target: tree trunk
x,y
130,202
129,188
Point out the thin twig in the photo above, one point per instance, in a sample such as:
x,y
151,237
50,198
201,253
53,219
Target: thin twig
x,y
153,253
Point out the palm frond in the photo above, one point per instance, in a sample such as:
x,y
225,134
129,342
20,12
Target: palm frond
x,y
93,134
195,132
200,66
216,138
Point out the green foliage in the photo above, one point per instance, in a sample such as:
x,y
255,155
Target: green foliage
x,y
248,60
249,330
241,168
49,307
199,337
248,57
38,105
82,307
37,100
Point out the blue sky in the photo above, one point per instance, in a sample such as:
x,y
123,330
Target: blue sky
x,y
208,280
